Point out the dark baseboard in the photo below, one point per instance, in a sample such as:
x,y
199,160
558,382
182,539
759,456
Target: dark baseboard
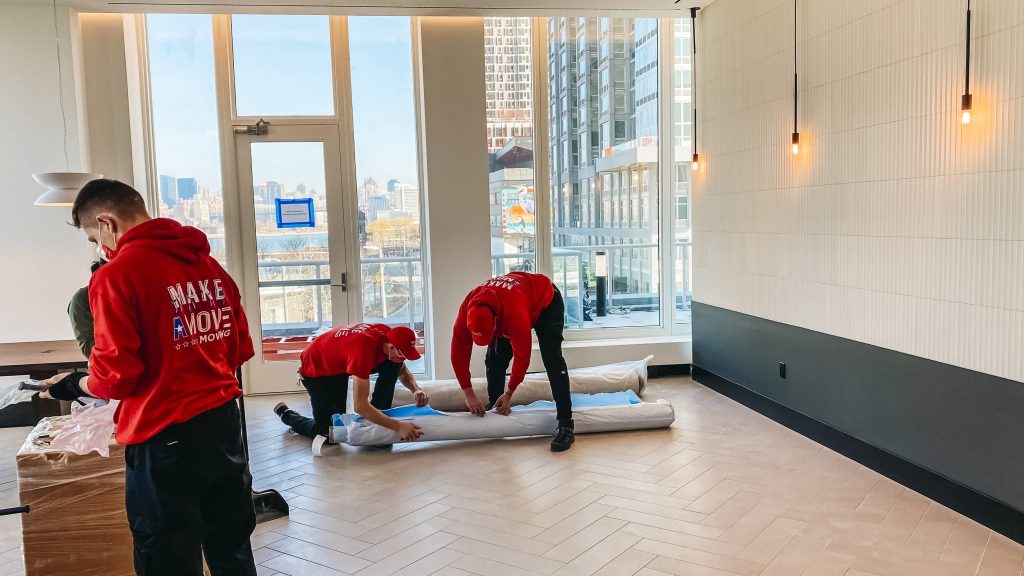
x,y
992,513
668,370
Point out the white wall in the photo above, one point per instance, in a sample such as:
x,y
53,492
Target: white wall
x,y
105,78
896,225
43,260
452,122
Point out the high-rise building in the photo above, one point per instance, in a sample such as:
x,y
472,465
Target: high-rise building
x,y
301,189
259,192
376,204
409,198
169,190
370,187
507,80
393,184
274,190
603,97
187,188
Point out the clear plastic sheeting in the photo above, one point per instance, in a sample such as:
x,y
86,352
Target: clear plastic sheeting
x,y
74,499
10,394
591,413
89,429
621,376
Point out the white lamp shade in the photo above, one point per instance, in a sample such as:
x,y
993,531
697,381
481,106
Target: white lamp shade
x,y
601,265
62,187
57,197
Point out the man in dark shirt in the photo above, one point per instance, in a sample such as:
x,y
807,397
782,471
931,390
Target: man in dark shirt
x,y
81,315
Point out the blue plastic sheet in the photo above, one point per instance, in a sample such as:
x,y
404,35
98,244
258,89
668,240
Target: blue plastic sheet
x,y
409,411
588,401
578,401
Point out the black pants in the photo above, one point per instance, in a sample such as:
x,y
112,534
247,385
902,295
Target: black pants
x,y
328,397
188,491
549,328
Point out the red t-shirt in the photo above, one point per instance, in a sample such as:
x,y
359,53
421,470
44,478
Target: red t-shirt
x,y
356,350
517,300
170,331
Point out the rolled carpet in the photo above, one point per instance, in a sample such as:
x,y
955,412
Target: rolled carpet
x,y
603,412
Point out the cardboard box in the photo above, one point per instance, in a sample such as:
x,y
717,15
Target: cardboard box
x,y
76,501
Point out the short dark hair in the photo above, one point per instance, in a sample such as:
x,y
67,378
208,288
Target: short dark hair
x,y
109,195
96,266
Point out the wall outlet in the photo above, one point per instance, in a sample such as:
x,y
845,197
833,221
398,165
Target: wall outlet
x,y
782,370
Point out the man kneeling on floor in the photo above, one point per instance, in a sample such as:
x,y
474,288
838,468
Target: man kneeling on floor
x,y
358,351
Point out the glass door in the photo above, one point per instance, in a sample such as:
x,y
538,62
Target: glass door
x,y
293,245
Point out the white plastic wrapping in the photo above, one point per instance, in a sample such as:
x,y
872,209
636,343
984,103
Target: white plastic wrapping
x,y
531,422
446,395
89,428
10,394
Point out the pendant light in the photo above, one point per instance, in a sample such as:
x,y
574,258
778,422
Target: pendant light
x,y
693,84
796,89
965,100
61,187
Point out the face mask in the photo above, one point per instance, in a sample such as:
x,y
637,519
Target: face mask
x,y
105,253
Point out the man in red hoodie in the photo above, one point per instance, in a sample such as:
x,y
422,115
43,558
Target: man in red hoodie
x,y
499,314
170,334
358,351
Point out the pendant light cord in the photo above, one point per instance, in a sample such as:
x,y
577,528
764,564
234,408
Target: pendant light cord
x,y
796,92
60,88
693,73
967,64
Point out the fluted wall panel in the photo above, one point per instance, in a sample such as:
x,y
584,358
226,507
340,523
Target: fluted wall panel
x,y
895,225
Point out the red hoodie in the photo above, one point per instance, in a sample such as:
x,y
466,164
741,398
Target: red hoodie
x,y
169,327
517,300
357,350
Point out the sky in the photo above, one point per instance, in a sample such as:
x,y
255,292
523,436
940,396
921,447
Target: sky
x,y
283,66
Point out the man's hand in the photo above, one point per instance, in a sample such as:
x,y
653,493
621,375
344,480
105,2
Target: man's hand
x,y
63,387
57,378
421,398
473,403
49,382
408,432
503,405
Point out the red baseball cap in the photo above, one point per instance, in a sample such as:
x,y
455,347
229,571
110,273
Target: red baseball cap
x,y
403,338
480,321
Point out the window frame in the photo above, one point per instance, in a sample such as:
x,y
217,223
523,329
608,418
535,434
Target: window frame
x,y
542,68
668,325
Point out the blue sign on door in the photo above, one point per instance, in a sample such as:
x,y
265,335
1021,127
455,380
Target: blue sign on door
x,y
295,213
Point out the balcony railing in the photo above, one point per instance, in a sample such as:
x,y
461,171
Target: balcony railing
x,y
392,287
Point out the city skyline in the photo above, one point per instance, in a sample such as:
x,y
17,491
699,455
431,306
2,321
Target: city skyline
x,y
182,80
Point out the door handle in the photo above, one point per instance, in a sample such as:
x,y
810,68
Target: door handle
x,y
344,282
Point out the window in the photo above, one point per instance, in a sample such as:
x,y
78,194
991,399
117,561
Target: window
x,y
682,210
625,204
184,109
282,65
387,172
510,147
682,153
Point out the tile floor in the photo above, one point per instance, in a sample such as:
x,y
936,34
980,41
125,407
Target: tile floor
x,y
723,492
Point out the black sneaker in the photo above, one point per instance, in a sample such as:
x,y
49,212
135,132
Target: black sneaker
x,y
564,438
280,409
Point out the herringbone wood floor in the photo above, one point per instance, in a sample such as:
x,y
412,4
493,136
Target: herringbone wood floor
x,y
723,492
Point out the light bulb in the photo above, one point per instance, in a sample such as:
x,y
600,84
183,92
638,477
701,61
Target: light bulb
x,y
966,103
696,162
796,148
